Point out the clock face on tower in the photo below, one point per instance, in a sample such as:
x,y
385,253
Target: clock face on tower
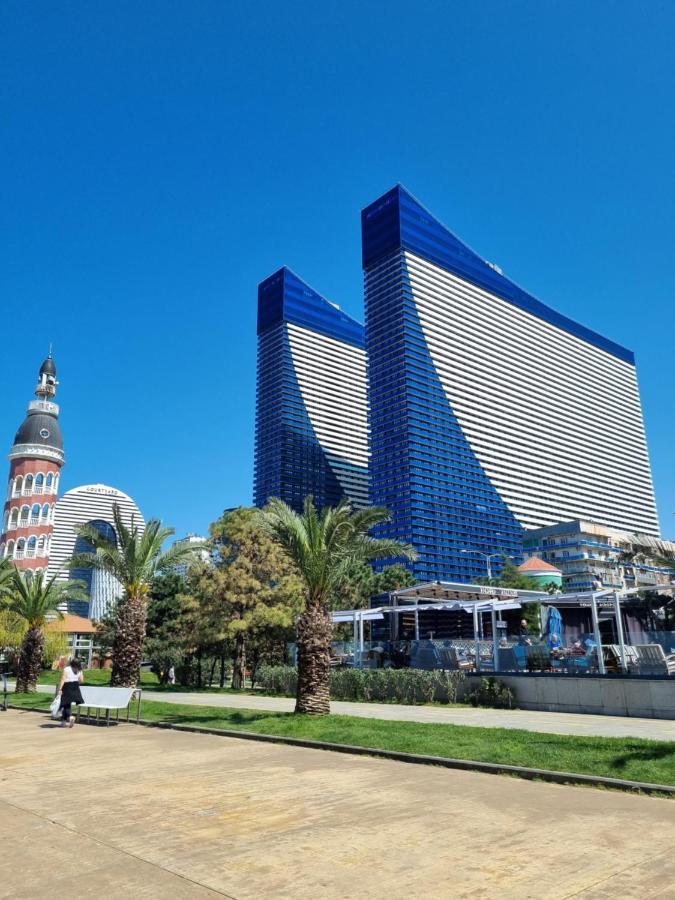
x,y
44,433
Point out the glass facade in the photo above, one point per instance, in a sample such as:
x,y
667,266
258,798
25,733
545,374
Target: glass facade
x,y
87,576
311,422
483,402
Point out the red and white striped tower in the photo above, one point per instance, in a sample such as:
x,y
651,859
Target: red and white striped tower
x,y
35,459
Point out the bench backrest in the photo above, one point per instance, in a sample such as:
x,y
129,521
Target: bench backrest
x,y
106,697
652,653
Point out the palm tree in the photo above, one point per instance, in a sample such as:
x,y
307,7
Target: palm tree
x,y
133,561
324,546
7,568
35,598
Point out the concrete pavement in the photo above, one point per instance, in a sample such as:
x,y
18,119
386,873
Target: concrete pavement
x,y
123,811
529,720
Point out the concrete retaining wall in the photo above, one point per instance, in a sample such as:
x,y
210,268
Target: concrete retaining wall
x,y
609,696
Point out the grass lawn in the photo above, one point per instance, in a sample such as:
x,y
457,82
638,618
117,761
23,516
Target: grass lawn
x,y
99,678
149,682
632,758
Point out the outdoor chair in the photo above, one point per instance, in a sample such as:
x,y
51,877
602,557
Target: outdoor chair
x,y
508,660
424,656
449,659
652,660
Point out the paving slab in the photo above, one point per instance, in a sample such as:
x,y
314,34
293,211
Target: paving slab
x,y
126,811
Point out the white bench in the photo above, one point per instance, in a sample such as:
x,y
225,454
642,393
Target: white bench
x,y
109,698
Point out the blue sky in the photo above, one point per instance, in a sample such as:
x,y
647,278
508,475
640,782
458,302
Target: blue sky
x,y
160,158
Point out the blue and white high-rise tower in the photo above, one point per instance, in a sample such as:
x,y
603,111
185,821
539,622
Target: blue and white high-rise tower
x,y
489,411
311,415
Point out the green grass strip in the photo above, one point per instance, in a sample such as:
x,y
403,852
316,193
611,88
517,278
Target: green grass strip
x,y
633,759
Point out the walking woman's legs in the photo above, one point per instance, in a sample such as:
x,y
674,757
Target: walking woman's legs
x,y
65,712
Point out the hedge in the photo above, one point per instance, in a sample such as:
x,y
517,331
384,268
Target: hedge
x,y
397,685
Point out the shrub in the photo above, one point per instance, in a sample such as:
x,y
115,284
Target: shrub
x,y
491,692
384,685
281,680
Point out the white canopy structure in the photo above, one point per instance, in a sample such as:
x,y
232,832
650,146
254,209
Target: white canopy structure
x,y
478,599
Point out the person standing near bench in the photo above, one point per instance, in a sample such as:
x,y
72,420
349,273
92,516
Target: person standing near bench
x,y
70,691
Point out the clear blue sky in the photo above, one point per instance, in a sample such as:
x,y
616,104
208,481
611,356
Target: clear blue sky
x,y
158,159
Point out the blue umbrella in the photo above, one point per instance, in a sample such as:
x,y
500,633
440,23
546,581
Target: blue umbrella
x,y
554,622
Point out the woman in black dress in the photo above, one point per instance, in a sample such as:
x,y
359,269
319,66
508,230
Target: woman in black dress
x,y
70,691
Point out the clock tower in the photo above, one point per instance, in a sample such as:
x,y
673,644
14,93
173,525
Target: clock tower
x,y
35,460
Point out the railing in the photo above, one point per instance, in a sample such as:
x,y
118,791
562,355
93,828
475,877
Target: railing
x,y
18,554
30,554
513,657
34,520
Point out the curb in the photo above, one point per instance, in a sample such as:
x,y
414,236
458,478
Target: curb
x,y
466,765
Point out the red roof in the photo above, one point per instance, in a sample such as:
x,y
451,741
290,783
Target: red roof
x,y
72,625
534,564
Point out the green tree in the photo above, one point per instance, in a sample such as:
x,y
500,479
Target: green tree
x,y
253,591
168,624
510,577
133,561
324,547
361,583
35,598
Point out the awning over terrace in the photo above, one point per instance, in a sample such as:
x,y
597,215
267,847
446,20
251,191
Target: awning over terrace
x,y
475,605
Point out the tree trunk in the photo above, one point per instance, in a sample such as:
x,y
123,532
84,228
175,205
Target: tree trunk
x,y
239,662
30,661
129,640
222,670
314,635
213,669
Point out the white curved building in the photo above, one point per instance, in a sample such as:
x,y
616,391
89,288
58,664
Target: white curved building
x,y
490,412
90,504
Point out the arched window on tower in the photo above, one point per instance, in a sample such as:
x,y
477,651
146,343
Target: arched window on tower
x,y
5,521
48,482
31,547
25,515
45,512
35,514
18,484
56,484
28,485
14,517
20,551
10,549
39,483
42,546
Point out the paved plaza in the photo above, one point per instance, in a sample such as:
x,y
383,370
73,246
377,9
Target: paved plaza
x,y
134,812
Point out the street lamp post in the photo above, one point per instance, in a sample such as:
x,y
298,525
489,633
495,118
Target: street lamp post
x,y
488,557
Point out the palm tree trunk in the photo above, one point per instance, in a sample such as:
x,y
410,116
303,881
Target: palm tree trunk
x,y
314,635
30,661
128,643
239,662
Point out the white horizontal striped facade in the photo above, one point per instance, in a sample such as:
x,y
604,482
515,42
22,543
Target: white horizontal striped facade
x,y
554,420
331,376
89,503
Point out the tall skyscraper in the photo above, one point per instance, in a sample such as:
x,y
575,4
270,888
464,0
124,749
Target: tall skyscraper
x,y
311,419
489,411
35,461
